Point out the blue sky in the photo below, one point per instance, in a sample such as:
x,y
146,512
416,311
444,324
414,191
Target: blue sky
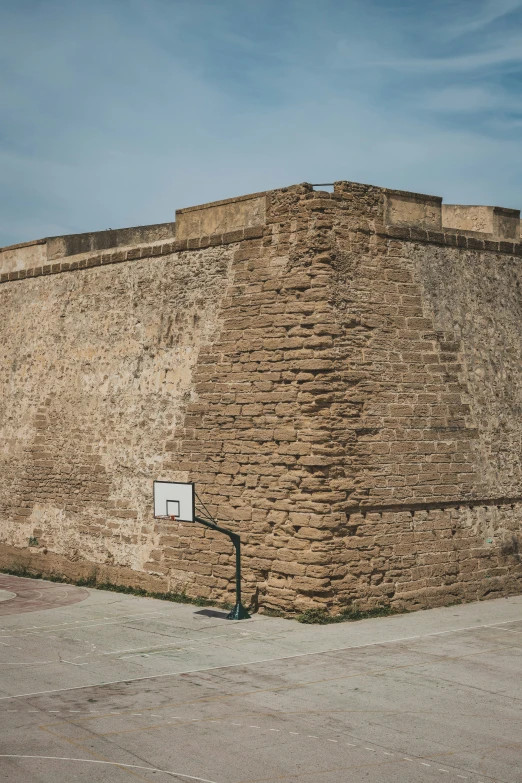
x,y
116,112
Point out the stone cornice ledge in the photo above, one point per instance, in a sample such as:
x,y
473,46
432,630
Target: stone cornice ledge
x,y
454,239
451,239
432,505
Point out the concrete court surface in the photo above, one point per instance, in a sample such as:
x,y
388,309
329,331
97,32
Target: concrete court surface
x,y
99,686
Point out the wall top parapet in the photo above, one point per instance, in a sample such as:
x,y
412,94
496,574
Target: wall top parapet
x,y
495,222
221,216
19,245
39,252
122,255
222,202
404,215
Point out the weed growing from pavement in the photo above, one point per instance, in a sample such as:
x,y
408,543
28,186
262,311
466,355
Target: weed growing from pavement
x,y
268,612
322,617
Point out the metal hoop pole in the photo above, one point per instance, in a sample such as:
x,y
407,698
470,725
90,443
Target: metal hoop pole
x,y
238,612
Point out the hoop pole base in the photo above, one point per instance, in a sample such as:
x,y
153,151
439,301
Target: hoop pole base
x,y
238,613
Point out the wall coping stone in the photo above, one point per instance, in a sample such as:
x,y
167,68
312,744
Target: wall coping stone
x,y
222,202
467,240
18,245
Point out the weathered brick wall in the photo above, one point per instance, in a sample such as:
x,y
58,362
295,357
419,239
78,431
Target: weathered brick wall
x,y
344,393
258,440
422,558
332,390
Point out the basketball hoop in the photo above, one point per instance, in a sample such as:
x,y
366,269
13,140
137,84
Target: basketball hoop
x,y
175,501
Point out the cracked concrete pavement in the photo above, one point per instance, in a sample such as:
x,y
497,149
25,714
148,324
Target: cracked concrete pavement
x,y
98,686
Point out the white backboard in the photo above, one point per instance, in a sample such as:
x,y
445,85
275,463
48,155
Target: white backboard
x,y
172,498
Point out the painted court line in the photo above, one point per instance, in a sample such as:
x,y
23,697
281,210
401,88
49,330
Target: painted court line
x,y
58,626
260,661
152,769
294,733
137,650
108,763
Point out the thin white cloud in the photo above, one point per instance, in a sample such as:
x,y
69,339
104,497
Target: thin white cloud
x,y
472,98
477,16
507,51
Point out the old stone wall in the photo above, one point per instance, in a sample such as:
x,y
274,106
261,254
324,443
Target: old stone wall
x,y
338,373
96,372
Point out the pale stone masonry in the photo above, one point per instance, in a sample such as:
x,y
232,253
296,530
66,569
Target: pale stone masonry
x,y
340,374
